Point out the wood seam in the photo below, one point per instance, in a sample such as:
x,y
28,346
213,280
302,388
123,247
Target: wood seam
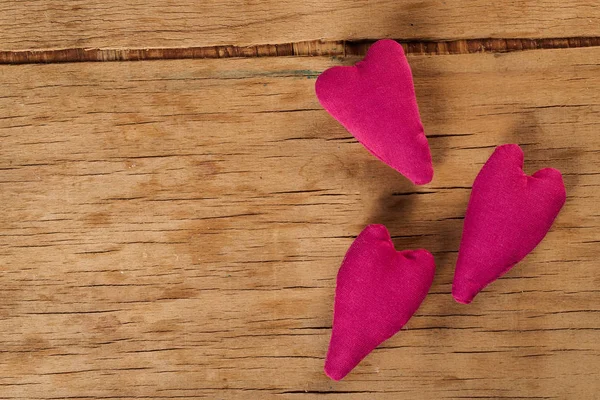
x,y
338,48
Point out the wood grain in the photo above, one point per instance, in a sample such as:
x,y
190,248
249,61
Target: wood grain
x,y
311,48
51,24
173,229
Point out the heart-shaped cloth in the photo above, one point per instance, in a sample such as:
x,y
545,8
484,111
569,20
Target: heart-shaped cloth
x,y
375,101
378,290
508,215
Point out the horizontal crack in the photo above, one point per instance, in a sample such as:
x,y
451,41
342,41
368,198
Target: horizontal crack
x,y
340,48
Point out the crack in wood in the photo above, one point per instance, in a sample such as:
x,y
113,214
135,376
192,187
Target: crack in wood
x,y
336,48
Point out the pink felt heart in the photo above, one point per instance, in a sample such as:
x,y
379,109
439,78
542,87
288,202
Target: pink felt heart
x,y
375,101
508,214
378,290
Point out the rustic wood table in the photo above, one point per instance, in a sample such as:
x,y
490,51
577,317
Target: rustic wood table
x,y
171,228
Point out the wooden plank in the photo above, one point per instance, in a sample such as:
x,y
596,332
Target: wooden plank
x,y
173,230
48,24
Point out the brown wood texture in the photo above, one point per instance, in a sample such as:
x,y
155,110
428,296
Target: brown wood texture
x,y
172,229
48,24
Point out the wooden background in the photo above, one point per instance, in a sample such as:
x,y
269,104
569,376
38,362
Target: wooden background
x,y
172,229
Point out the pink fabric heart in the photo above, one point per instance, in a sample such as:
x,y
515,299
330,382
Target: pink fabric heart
x,y
375,101
378,290
508,215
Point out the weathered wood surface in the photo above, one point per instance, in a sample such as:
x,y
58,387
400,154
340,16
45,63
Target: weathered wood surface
x,y
172,229
43,24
